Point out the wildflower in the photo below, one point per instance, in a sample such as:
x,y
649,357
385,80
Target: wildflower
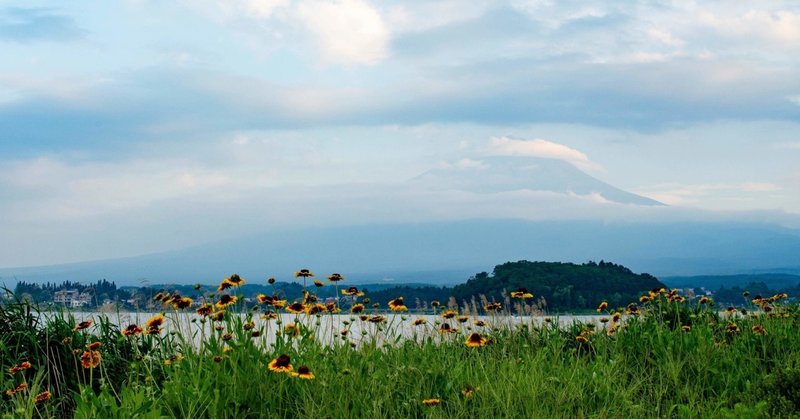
x,y
548,320
521,293
173,359
270,280
10,392
616,317
604,320
249,325
449,314
227,336
602,306
704,300
21,387
632,309
315,308
446,328
303,372
431,402
280,364
353,291
217,359
205,310
155,322
493,307
292,330
377,319
645,298
435,304
730,310
686,328
226,300
235,280
303,273
332,308
83,325
732,328
357,308
335,278
255,333
462,319
344,332
479,323
309,297
90,359
363,317
397,304
469,391
278,303
218,316
43,396
419,321
759,330
94,346
183,303
475,340
269,316
24,365
318,283
225,284
581,339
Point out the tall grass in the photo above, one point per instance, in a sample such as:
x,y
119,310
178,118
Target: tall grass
x,y
673,359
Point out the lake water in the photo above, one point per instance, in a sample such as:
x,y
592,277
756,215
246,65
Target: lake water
x,y
327,328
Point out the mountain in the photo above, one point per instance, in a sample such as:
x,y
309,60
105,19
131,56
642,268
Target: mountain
x,y
449,252
511,173
713,282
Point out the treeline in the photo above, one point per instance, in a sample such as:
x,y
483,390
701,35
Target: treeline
x,y
44,292
738,295
563,286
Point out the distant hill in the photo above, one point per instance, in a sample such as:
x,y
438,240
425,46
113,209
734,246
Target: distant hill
x,y
713,282
563,285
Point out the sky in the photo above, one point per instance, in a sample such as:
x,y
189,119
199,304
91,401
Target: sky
x,y
141,126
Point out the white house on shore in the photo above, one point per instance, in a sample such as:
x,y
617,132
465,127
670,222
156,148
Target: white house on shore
x,y
72,298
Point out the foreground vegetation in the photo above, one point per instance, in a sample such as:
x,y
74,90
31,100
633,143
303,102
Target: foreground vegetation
x,y
662,356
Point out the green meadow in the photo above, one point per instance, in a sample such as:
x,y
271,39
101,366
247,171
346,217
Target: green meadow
x,y
662,356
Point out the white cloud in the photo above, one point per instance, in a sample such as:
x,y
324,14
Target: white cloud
x,y
541,148
346,31
265,8
781,26
709,194
794,99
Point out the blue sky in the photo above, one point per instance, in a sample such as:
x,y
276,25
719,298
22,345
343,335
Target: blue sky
x,y
136,126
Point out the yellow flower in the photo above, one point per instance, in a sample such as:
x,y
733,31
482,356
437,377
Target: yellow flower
x,y
521,293
397,304
581,339
205,310
475,340
225,300
493,307
377,319
686,328
292,330
335,278
155,321
303,372
357,308
602,306
419,321
353,291
280,364
469,391
431,402
43,396
182,303
446,328
83,325
449,314
94,346
235,280
90,359
303,273
759,330
318,283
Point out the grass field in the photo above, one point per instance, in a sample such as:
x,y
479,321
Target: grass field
x,y
664,356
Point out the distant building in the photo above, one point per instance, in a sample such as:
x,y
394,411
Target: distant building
x,y
72,298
